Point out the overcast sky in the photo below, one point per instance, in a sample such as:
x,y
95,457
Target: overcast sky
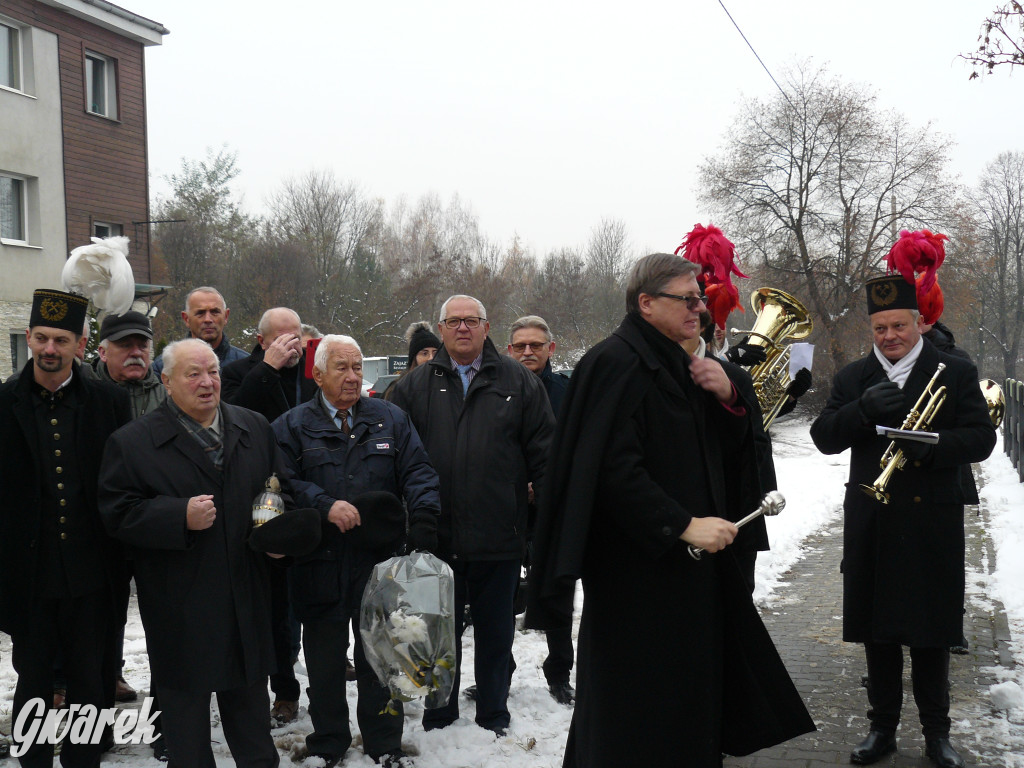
x,y
543,117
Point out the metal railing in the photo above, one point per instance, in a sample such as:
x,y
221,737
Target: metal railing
x,y
1013,423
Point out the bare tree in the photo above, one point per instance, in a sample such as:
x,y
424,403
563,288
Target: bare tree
x,y
812,186
1001,41
999,202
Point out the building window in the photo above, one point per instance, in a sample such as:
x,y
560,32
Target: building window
x,y
10,56
12,209
101,85
103,229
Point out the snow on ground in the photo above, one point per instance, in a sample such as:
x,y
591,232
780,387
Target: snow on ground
x,y
813,486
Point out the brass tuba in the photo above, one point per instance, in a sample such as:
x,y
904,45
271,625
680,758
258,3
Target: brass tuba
x,y
993,394
779,316
919,419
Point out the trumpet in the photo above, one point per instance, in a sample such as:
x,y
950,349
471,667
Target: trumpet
x,y
773,503
919,419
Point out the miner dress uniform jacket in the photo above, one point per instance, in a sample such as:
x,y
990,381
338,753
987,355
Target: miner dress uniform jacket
x,y
382,452
485,448
903,562
100,409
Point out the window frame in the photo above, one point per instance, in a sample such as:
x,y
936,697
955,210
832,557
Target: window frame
x,y
113,230
110,82
16,62
22,197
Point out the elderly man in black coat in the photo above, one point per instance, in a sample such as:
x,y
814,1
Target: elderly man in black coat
x,y
55,558
177,486
903,561
674,664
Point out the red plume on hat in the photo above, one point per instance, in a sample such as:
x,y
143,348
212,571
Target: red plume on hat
x,y
917,252
714,253
930,303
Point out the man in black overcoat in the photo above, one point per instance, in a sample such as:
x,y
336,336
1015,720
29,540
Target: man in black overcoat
x,y
55,558
903,561
674,664
177,487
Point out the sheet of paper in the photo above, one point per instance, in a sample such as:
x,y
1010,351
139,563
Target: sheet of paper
x,y
801,355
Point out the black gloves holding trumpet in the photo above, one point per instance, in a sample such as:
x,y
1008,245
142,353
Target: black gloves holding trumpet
x,y
883,404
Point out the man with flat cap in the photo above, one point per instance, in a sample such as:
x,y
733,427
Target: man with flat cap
x,y
903,545
55,590
126,354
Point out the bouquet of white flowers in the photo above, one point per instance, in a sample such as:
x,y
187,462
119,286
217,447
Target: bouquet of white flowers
x,y
407,623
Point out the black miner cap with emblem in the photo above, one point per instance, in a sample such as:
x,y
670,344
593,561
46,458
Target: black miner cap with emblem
x,y
890,292
57,309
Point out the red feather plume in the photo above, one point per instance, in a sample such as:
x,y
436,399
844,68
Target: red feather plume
x,y
917,252
930,303
712,251
723,298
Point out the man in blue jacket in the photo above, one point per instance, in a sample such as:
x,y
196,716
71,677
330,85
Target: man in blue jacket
x,y
340,446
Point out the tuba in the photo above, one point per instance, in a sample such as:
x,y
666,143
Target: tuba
x,y
779,316
993,394
919,420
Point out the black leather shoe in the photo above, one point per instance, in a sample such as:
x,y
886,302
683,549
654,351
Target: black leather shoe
x,y
876,746
563,693
942,753
470,693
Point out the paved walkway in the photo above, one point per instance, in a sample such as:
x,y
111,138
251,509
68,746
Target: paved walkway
x,y
806,622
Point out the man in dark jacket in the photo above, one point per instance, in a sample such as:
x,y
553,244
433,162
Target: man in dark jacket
x,y
486,423
270,381
55,557
177,486
205,315
339,446
903,561
531,343
644,461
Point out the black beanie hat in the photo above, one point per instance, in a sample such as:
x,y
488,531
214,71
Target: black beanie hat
x,y
420,339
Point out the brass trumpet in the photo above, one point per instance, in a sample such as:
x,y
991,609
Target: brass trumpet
x,y
919,420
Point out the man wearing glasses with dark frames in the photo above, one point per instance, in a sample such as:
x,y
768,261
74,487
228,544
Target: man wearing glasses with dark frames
x,y
653,451
486,423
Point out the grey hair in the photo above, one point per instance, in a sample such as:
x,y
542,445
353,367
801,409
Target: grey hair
x,y
261,327
444,307
652,273
529,321
320,359
171,351
205,289
312,331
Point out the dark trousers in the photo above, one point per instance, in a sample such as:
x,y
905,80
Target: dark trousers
x,y
283,682
930,676
560,654
489,588
326,649
244,714
80,629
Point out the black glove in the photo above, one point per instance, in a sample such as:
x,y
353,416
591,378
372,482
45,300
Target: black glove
x,y
916,451
882,404
744,354
800,384
422,537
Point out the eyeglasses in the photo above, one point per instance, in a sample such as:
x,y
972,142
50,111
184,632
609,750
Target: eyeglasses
x,y
692,302
535,346
452,323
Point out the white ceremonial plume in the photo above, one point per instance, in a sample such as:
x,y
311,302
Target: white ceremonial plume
x,y
101,272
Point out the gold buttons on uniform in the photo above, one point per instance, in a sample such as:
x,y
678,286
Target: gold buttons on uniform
x,y
56,435
63,519
53,422
59,470
63,503
917,498
56,453
60,486
63,536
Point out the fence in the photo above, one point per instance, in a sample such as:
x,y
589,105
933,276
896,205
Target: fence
x,y
1013,423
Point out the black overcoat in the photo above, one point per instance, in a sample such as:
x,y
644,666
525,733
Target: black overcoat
x,y
101,409
203,595
253,384
903,562
674,664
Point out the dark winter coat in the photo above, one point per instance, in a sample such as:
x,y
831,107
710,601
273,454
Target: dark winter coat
x,y
226,352
204,595
903,562
382,453
253,384
675,665
485,448
556,384
146,394
101,410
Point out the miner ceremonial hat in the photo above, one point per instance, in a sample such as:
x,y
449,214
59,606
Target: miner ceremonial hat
x,y
890,292
129,324
57,309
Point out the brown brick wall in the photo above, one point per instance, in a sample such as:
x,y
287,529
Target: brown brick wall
x,y
105,161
